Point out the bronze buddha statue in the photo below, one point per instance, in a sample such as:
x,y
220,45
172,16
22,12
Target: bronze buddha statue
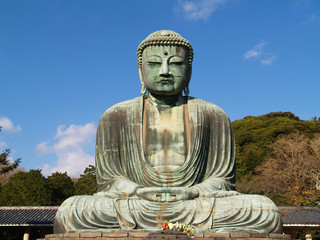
x,y
166,156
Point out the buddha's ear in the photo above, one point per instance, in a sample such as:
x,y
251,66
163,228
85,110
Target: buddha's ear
x,y
186,89
189,73
143,87
140,74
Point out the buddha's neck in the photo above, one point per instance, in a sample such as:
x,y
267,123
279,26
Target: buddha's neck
x,y
160,100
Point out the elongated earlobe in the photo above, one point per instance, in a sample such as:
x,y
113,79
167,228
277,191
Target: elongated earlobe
x,y
143,89
186,90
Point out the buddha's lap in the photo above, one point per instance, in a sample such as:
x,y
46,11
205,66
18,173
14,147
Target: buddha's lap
x,y
240,213
218,207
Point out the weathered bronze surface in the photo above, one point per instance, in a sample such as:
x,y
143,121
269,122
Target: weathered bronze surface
x,y
165,156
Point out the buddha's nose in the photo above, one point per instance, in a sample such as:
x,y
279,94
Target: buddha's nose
x,y
164,70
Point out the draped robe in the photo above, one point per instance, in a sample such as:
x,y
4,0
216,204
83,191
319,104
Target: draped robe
x,y
121,167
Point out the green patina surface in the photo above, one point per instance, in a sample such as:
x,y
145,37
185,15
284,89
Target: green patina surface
x,y
165,156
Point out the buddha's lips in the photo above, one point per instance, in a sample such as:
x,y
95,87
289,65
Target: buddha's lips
x,y
165,80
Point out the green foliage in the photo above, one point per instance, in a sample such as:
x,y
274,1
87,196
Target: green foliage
x,y
5,163
282,114
256,141
26,189
254,135
61,186
87,183
33,189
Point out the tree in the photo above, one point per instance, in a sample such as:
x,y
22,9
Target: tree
x,y
255,135
4,178
61,186
293,168
87,183
7,165
26,189
315,161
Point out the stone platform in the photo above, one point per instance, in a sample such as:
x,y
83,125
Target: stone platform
x,y
140,235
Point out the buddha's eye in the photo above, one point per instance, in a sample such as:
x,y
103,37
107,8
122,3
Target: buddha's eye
x,y
176,63
154,61
176,60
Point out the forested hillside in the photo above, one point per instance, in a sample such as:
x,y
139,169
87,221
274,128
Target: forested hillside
x,y
277,155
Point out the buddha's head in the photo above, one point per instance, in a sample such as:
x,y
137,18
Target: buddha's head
x,y
165,63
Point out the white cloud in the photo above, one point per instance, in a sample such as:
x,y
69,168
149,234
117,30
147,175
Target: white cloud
x,y
251,54
199,10
2,144
257,52
68,145
7,125
268,60
43,148
310,19
72,162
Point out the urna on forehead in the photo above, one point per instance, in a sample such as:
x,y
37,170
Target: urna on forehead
x,y
164,38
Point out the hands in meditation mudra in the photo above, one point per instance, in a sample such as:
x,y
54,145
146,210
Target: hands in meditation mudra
x,y
166,156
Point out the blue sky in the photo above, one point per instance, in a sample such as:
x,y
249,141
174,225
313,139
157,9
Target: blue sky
x,y
63,63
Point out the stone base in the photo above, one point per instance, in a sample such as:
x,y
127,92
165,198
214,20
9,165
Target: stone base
x,y
140,235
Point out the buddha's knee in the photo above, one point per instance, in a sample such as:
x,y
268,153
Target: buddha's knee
x,y
244,202
83,212
246,213
263,202
61,217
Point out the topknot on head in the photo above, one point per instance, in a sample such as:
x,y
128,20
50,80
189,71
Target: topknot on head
x,y
164,38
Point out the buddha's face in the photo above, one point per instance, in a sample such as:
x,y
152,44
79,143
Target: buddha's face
x,y
165,69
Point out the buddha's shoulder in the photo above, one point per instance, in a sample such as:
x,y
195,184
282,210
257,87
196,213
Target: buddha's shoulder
x,y
126,104
205,106
123,107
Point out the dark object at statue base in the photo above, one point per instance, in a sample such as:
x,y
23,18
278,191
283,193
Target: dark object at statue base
x,y
162,235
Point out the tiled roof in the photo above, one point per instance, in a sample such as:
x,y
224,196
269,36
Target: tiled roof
x,y
41,216
27,216
300,216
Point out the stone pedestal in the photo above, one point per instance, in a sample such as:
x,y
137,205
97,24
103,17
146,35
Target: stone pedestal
x,y
138,235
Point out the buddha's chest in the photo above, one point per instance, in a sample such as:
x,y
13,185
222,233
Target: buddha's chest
x,y
165,137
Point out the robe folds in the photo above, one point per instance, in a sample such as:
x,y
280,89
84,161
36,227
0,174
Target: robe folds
x,y
121,167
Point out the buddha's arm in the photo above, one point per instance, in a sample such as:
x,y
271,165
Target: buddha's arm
x,y
120,187
112,162
220,168
214,187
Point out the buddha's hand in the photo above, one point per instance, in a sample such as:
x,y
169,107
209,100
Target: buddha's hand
x,y
121,188
167,194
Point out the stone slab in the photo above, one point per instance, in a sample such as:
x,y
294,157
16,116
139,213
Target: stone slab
x,y
115,234
139,235
216,235
90,234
